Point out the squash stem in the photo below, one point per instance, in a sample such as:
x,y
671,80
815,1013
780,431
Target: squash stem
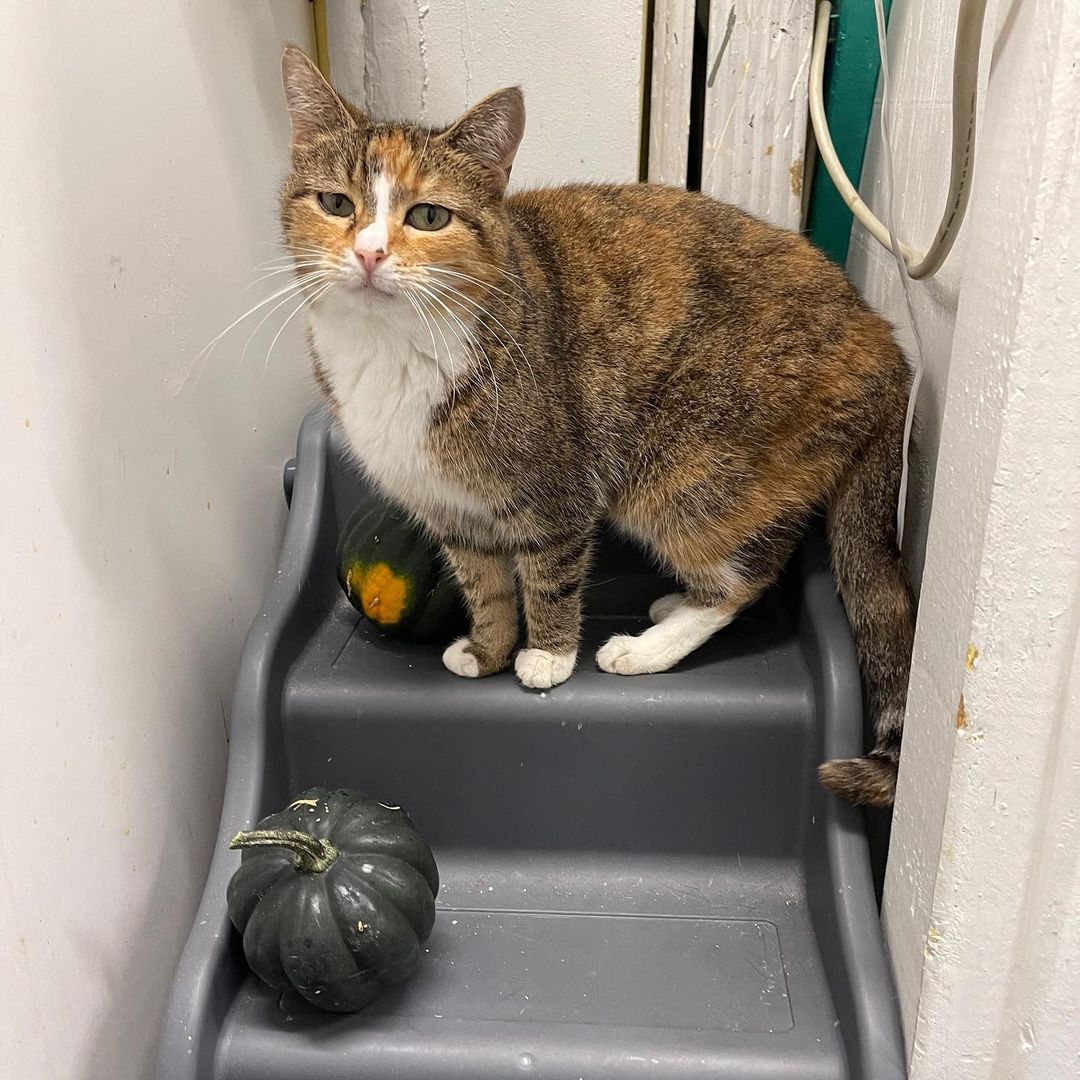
x,y
313,856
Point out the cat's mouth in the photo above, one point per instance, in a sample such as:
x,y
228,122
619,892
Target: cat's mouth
x,y
381,282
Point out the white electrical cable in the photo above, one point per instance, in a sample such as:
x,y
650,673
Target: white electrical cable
x,y
902,268
910,264
965,90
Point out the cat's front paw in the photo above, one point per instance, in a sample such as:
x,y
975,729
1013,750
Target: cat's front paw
x,y
539,669
472,660
460,660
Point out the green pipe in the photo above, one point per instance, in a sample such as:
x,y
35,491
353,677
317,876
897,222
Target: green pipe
x,y
851,76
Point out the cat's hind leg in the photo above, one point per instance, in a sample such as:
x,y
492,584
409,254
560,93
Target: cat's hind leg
x,y
717,589
660,609
663,645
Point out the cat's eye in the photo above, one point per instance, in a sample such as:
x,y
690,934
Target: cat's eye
x,y
333,202
428,216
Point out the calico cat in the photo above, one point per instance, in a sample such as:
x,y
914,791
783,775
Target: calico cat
x,y
516,370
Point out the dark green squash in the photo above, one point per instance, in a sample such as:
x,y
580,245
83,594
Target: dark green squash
x,y
334,897
396,577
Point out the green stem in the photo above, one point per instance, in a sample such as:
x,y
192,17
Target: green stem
x,y
313,856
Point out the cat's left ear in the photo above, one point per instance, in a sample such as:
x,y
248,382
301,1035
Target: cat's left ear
x,y
491,131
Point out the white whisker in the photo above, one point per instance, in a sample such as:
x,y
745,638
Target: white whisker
x,y
427,311
458,294
299,286
475,281
205,351
307,300
310,264
475,343
406,292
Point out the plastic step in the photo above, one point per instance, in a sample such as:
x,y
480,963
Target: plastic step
x,y
573,966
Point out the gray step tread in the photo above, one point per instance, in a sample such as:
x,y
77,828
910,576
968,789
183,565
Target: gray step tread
x,y
710,759
570,966
755,662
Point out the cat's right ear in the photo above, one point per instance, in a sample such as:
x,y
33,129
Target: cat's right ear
x,y
314,107
491,131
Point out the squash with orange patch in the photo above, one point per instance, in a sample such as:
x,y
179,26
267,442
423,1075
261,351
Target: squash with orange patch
x,y
395,576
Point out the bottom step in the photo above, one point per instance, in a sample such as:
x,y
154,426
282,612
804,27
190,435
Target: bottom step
x,y
577,968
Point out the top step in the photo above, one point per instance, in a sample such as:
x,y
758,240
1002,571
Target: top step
x,y
714,757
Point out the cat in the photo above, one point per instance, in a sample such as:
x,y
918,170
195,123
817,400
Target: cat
x,y
516,370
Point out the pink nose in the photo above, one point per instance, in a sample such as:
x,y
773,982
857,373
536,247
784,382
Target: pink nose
x,y
370,258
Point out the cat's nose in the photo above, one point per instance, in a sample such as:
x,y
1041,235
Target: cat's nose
x,y
370,257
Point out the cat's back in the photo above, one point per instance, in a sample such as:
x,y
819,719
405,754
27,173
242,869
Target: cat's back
x,y
652,225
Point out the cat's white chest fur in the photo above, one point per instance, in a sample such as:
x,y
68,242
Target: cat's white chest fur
x,y
379,360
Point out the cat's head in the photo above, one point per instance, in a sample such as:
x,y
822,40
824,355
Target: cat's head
x,y
388,209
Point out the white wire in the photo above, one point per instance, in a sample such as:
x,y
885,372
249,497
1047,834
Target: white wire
x,y
965,86
902,267
910,264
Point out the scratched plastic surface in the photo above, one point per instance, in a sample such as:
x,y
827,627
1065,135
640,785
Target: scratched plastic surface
x,y
641,878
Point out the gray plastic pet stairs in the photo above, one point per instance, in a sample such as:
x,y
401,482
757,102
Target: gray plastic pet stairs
x,y
641,876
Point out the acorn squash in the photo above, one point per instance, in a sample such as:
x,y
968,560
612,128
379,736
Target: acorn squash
x,y
334,897
395,576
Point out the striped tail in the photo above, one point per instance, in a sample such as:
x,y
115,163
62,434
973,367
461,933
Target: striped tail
x,y
880,607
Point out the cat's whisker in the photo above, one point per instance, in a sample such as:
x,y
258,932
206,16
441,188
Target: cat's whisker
x,y
477,344
209,347
478,318
283,270
407,293
292,259
426,312
460,273
301,284
484,312
512,278
474,280
415,289
305,302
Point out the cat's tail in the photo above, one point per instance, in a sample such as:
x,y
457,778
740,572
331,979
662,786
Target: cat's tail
x,y
876,594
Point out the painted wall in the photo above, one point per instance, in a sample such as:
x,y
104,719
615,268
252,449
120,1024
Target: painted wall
x,y
982,896
756,112
142,145
578,64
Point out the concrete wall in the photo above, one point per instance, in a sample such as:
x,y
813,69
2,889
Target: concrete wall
x,y
142,146
982,896
579,65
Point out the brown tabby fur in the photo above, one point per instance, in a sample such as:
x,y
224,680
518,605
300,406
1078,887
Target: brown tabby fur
x,y
703,380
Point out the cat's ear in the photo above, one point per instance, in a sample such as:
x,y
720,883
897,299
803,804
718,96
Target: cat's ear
x,y
314,106
491,131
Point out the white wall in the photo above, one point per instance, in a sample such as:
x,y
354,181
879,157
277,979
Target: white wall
x,y
756,112
142,146
579,65
982,895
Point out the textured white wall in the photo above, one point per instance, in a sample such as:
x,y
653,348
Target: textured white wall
x,y
142,146
579,65
982,898
756,113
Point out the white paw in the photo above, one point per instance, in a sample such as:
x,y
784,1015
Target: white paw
x,y
461,662
540,670
625,654
660,609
